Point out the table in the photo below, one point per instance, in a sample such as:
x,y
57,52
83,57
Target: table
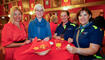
x,y
54,54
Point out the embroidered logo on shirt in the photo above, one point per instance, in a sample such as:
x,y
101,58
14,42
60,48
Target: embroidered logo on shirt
x,y
84,33
69,28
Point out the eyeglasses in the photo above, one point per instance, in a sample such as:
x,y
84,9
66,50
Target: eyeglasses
x,y
39,10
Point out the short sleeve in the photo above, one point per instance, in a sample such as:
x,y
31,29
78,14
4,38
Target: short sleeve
x,y
6,36
96,37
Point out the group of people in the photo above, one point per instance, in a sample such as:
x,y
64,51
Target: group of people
x,y
87,37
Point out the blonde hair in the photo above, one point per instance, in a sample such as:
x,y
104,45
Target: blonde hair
x,y
53,18
12,10
37,6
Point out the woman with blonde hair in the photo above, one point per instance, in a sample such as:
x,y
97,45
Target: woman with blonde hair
x,y
13,34
53,24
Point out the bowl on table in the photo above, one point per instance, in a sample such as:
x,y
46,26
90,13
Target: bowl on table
x,y
42,47
43,52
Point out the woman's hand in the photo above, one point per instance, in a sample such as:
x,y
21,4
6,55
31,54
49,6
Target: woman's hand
x,y
27,41
57,37
46,39
70,40
72,49
93,48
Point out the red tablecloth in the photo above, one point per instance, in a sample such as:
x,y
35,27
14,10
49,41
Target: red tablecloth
x,y
54,54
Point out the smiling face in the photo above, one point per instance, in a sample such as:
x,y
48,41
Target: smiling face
x,y
39,12
64,17
84,17
17,16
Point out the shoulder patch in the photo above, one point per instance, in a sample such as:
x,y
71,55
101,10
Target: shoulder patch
x,y
64,26
72,24
95,27
82,30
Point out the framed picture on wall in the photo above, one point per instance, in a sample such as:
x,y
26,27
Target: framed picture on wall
x,y
39,1
6,1
1,2
12,0
14,4
55,3
25,4
6,8
75,2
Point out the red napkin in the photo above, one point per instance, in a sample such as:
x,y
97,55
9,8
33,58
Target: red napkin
x,y
38,45
31,47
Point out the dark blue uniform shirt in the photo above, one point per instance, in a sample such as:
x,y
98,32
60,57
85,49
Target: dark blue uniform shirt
x,y
88,34
69,32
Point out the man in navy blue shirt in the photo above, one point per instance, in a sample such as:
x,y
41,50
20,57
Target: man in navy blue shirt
x,y
66,28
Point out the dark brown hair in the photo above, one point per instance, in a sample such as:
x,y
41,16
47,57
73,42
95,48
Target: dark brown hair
x,y
85,9
66,12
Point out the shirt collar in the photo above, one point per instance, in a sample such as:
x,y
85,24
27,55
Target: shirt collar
x,y
42,23
81,27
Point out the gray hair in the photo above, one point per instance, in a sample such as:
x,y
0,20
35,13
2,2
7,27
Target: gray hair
x,y
37,6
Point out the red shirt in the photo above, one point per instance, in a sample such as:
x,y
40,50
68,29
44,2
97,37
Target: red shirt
x,y
53,27
11,33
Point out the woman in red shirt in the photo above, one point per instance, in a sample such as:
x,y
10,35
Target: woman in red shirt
x,y
13,34
53,24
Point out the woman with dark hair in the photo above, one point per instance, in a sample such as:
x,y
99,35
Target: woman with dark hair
x,y
66,29
87,37
88,11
